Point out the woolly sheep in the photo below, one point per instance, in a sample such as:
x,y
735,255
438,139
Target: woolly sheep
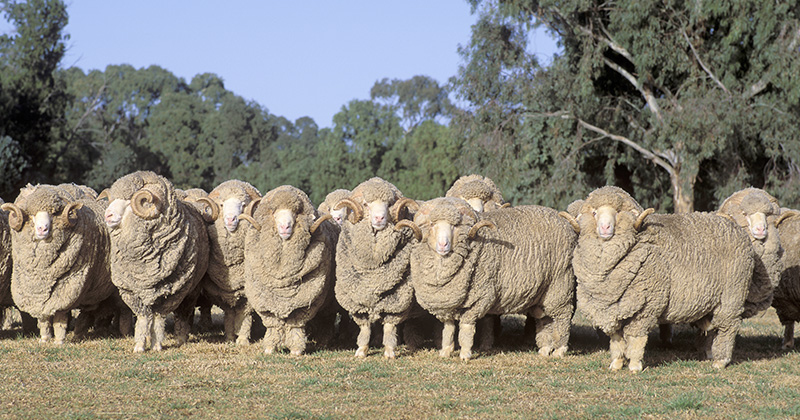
x,y
224,285
5,265
786,299
372,263
523,266
333,198
288,266
60,255
159,253
635,269
480,192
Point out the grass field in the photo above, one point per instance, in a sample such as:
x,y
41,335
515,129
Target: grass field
x,y
207,378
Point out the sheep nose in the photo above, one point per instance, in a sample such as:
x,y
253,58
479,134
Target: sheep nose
x,y
42,229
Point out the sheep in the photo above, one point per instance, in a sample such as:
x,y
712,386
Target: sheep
x,y
480,192
636,269
60,255
5,267
159,253
372,261
786,299
288,266
224,283
333,198
523,266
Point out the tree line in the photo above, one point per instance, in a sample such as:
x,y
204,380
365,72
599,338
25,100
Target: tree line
x,y
680,105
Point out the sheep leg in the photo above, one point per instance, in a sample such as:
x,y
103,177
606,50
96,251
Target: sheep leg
x,y
487,324
45,329
206,323
722,346
665,334
229,321
125,322
448,335
144,323
159,332
788,336
635,351
243,322
60,320
296,340
466,337
8,318
273,335
364,332
389,340
617,348
82,323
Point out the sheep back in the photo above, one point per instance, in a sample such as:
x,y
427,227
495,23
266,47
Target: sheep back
x,y
69,270
156,263
290,279
786,299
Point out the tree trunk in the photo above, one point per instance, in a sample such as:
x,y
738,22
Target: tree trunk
x,y
683,192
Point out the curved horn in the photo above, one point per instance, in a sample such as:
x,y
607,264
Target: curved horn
x,y
16,217
483,223
639,220
251,208
138,205
504,205
69,216
252,193
212,206
319,222
358,212
103,194
572,221
249,218
403,203
411,225
785,215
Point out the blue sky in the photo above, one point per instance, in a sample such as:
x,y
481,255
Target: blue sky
x,y
295,58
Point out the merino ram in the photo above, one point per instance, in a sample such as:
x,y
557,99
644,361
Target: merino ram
x,y
5,266
636,269
480,192
159,253
288,266
331,200
60,255
786,299
372,260
224,286
461,273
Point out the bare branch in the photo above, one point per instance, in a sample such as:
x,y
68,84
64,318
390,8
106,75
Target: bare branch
x,y
697,57
646,93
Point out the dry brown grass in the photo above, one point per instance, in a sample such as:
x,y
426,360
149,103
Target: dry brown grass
x,y
101,378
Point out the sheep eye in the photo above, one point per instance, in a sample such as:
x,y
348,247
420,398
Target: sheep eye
x,y
594,213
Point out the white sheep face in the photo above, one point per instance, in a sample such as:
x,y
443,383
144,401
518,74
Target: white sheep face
x,y
378,214
757,223
440,238
231,209
339,215
606,219
116,211
42,224
476,204
284,223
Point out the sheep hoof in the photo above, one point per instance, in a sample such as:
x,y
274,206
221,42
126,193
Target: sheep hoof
x,y
242,342
616,364
296,352
157,347
389,354
138,348
720,364
635,367
58,342
559,352
545,351
788,345
361,352
465,355
446,352
269,350
44,340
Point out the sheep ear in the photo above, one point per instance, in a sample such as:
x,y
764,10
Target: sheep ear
x,y
69,216
103,194
572,221
640,220
788,214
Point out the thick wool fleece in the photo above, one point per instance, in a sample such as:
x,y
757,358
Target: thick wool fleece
x,y
477,186
331,199
288,281
372,272
787,295
5,260
157,263
524,266
768,251
69,270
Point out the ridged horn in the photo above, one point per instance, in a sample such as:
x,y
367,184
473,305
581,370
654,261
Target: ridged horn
x,y
483,223
504,205
69,216
411,225
403,203
358,212
785,215
250,219
103,194
16,217
251,207
572,221
138,205
318,222
212,206
639,220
